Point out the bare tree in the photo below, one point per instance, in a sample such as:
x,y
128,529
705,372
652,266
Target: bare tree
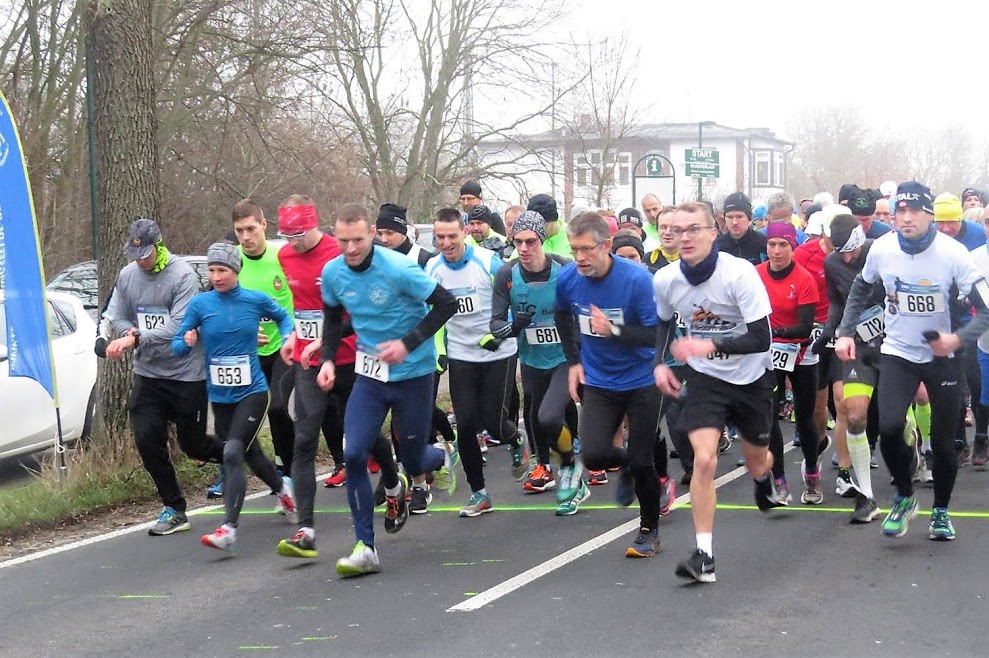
x,y
604,114
403,76
948,159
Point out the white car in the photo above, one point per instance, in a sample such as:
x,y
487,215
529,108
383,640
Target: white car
x,y
27,413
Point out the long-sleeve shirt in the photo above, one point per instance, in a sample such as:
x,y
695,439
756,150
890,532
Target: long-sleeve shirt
x,y
228,330
155,304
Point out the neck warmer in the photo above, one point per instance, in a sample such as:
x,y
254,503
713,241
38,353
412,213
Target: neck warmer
x,y
782,274
698,274
670,256
914,247
162,260
468,252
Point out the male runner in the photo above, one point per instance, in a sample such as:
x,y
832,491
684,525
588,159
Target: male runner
x,y
726,351
918,267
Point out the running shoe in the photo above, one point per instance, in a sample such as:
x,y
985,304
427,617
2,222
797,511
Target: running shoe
x,y
540,479
596,478
645,544
767,496
980,452
169,521
786,410
373,467
221,538
667,494
927,475
724,442
699,566
490,440
866,509
286,503
674,454
844,486
576,444
478,504
896,522
834,460
873,460
740,461
361,561
687,477
397,510
783,489
421,498
569,505
520,460
215,490
812,494
337,478
831,424
941,528
446,477
625,491
964,454
482,443
301,545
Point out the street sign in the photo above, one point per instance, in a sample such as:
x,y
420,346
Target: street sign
x,y
702,163
654,167
702,170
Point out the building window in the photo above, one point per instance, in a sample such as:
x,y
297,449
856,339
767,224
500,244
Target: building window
x,y
778,169
590,168
763,172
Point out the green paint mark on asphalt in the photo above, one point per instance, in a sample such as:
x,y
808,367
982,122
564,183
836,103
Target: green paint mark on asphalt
x,y
314,639
470,593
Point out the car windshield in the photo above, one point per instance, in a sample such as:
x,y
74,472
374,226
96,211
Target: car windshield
x,y
81,281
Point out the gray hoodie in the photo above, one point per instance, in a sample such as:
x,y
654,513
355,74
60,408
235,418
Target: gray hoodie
x,y
155,304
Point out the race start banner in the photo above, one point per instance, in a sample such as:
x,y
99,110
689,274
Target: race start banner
x,y
22,276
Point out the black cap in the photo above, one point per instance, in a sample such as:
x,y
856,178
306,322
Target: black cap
x,y
971,191
738,202
811,209
841,230
620,241
391,217
861,204
914,195
630,216
847,191
480,214
472,188
545,205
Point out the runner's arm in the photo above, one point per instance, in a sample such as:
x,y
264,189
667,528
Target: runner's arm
x,y
805,322
569,335
332,331
858,301
758,338
979,324
444,307
664,335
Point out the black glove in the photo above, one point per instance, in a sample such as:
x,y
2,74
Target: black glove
x,y
442,363
100,347
490,343
520,321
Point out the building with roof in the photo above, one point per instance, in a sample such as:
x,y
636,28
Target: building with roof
x,y
583,169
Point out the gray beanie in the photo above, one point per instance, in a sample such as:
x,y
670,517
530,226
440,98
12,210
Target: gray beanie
x,y
225,254
530,220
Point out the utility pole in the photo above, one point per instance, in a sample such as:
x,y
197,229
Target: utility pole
x,y
700,145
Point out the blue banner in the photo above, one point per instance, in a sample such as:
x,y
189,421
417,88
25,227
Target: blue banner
x,y
22,276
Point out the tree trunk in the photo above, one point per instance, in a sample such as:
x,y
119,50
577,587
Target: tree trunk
x,y
128,180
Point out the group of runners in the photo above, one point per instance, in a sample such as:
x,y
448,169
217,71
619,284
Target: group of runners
x,y
615,323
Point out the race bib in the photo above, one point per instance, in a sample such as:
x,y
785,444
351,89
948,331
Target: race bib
x,y
309,325
230,370
784,356
151,317
371,366
468,300
872,324
542,335
615,315
709,332
919,300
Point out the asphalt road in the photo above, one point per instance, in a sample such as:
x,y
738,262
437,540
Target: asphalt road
x,y
800,581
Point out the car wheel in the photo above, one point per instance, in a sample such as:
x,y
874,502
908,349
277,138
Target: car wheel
x,y
87,426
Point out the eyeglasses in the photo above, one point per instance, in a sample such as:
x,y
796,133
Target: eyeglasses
x,y
293,236
585,250
691,231
530,242
663,228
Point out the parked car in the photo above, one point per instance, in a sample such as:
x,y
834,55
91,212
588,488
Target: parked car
x,y
81,280
27,412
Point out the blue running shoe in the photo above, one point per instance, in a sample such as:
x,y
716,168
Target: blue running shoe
x,y
215,490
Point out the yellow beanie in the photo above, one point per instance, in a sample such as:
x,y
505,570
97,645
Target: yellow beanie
x,y
947,208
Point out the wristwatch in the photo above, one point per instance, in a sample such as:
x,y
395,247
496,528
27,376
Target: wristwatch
x,y
616,330
136,335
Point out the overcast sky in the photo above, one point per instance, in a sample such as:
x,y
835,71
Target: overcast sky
x,y
759,63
